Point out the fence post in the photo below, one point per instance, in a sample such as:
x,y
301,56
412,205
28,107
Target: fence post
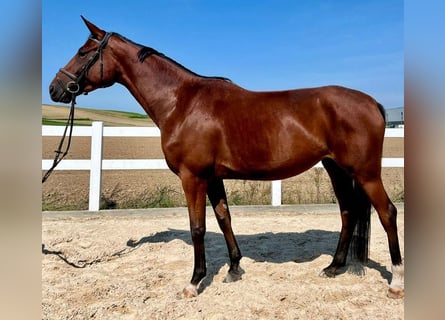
x,y
96,165
276,192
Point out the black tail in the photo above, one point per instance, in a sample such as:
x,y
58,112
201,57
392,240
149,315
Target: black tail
x,y
359,248
382,111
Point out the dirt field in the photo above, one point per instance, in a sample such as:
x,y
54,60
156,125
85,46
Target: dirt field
x,y
133,264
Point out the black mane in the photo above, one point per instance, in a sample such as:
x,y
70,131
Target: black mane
x,y
146,52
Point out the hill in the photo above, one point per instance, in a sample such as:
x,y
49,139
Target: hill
x,y
58,115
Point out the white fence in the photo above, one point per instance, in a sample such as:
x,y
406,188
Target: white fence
x,y
96,164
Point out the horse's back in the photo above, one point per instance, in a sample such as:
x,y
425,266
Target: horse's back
x,y
310,107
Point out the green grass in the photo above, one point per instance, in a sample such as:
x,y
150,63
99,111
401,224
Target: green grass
x,y
49,122
134,115
131,115
62,122
138,116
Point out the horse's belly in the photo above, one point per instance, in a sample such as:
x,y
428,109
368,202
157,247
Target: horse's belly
x,y
266,170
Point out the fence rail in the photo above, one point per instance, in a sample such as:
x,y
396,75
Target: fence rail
x,y
96,164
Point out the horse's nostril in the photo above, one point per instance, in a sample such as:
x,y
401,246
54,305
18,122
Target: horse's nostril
x,y
53,92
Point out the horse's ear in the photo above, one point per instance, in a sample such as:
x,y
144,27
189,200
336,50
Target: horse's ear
x,y
93,28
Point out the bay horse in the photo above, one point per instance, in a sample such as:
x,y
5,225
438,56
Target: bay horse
x,y
212,129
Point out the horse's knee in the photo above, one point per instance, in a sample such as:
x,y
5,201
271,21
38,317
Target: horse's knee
x,y
198,233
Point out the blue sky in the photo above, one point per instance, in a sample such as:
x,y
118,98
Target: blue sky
x,y
260,45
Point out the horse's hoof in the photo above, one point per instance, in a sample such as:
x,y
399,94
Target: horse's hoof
x,y
396,293
190,291
232,277
328,273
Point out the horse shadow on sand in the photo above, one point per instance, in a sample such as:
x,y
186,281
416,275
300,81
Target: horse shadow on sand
x,y
270,247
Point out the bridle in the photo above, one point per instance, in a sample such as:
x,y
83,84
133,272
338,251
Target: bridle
x,y
73,87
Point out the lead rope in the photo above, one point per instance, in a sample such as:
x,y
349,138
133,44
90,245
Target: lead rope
x,y
59,153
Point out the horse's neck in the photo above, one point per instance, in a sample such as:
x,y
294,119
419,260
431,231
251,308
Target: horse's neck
x,y
154,84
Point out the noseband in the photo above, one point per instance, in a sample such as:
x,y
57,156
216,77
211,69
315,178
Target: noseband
x,y
74,85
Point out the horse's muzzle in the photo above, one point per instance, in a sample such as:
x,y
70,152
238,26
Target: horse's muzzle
x,y
58,93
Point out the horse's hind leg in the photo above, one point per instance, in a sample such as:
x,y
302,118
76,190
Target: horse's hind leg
x,y
218,199
351,206
388,217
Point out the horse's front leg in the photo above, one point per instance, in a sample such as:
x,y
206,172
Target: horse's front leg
x,y
195,193
218,199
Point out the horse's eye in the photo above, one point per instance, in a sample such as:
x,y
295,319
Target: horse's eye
x,y
81,53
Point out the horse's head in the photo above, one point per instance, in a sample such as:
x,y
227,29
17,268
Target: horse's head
x,y
89,69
